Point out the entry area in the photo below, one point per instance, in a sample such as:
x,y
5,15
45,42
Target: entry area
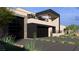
x,y
37,30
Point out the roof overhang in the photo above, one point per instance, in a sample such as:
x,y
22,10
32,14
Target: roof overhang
x,y
49,12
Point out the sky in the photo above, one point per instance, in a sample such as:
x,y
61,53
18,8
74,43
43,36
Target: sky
x,y
68,15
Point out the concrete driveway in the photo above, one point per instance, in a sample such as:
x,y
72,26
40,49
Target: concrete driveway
x,y
42,45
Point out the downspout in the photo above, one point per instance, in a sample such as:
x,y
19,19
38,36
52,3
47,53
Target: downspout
x,y
59,23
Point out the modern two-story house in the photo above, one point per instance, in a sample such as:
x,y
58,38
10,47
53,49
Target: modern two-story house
x,y
28,24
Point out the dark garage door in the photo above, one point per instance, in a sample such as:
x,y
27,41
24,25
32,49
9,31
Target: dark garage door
x,y
42,31
16,28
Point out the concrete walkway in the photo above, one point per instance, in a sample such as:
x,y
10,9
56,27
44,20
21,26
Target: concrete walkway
x,y
42,45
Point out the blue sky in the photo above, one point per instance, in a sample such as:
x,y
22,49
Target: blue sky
x,y
68,15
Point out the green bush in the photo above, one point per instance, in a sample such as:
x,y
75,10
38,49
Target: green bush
x,y
8,39
30,45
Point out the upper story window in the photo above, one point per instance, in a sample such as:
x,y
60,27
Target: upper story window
x,y
41,18
45,17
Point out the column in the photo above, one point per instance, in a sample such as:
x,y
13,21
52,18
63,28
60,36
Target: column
x,y
25,27
49,31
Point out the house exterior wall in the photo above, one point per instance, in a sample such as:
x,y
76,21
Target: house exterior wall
x,y
50,23
50,31
24,13
62,27
32,28
21,12
54,23
25,27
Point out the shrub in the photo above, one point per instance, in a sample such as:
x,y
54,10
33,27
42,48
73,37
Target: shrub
x,y
31,43
8,39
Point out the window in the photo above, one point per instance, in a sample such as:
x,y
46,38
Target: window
x,y
30,16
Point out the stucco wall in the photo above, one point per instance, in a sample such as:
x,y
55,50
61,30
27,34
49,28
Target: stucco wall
x,y
56,24
57,34
49,23
50,31
21,12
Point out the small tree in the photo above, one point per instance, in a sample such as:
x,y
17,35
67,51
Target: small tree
x,y
72,28
6,16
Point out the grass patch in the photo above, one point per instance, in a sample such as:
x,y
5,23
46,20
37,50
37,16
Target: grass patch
x,y
30,45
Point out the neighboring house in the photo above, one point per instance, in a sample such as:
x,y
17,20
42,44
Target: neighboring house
x,y
28,24
62,28
77,32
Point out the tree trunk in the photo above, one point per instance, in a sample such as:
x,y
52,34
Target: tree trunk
x,y
3,31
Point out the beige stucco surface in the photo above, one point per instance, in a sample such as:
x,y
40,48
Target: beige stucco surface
x,y
49,23
21,12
